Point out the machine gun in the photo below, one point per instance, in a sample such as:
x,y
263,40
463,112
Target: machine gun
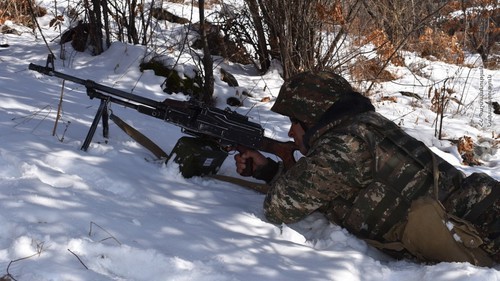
x,y
228,128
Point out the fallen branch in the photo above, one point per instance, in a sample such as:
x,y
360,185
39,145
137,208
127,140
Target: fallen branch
x,y
78,259
39,248
110,235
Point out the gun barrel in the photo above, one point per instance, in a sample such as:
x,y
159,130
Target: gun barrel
x,y
90,84
51,72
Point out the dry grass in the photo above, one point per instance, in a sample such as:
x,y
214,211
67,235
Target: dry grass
x,y
370,70
19,11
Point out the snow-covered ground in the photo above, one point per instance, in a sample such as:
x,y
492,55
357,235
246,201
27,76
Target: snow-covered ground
x,y
113,214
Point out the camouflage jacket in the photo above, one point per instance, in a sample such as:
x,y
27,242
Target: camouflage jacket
x,y
362,172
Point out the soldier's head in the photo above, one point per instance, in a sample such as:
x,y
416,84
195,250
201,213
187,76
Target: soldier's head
x,y
306,96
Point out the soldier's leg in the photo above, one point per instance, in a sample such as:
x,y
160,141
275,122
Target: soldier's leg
x,y
478,201
432,235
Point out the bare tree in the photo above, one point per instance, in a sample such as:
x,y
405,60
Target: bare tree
x,y
400,18
208,86
304,34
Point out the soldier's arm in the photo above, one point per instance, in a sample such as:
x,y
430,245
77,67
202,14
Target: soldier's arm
x,y
336,167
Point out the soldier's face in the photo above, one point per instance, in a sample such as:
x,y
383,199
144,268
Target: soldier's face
x,y
297,133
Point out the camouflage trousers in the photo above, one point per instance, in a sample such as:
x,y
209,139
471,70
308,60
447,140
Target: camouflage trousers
x,y
478,202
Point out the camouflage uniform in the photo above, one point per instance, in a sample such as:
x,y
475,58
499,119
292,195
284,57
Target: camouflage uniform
x,y
363,172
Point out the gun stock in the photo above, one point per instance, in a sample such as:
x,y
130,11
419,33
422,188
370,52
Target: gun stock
x,y
284,150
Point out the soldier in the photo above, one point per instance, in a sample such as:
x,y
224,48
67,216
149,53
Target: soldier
x,y
367,175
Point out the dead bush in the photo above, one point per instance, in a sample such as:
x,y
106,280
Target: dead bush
x,y
19,11
384,47
370,70
465,146
221,45
437,44
331,12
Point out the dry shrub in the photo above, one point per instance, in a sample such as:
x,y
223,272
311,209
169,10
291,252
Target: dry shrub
x,y
478,32
19,12
370,70
441,98
436,101
220,45
331,13
441,46
465,146
385,48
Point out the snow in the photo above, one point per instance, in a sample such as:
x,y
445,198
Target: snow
x,y
112,213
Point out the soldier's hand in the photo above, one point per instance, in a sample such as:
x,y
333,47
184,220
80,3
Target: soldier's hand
x,y
249,161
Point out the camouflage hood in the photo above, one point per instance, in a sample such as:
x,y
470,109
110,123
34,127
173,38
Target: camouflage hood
x,y
345,108
306,96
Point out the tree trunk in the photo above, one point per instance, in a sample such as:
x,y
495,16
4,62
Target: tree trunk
x,y
95,26
262,50
208,87
105,14
132,31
